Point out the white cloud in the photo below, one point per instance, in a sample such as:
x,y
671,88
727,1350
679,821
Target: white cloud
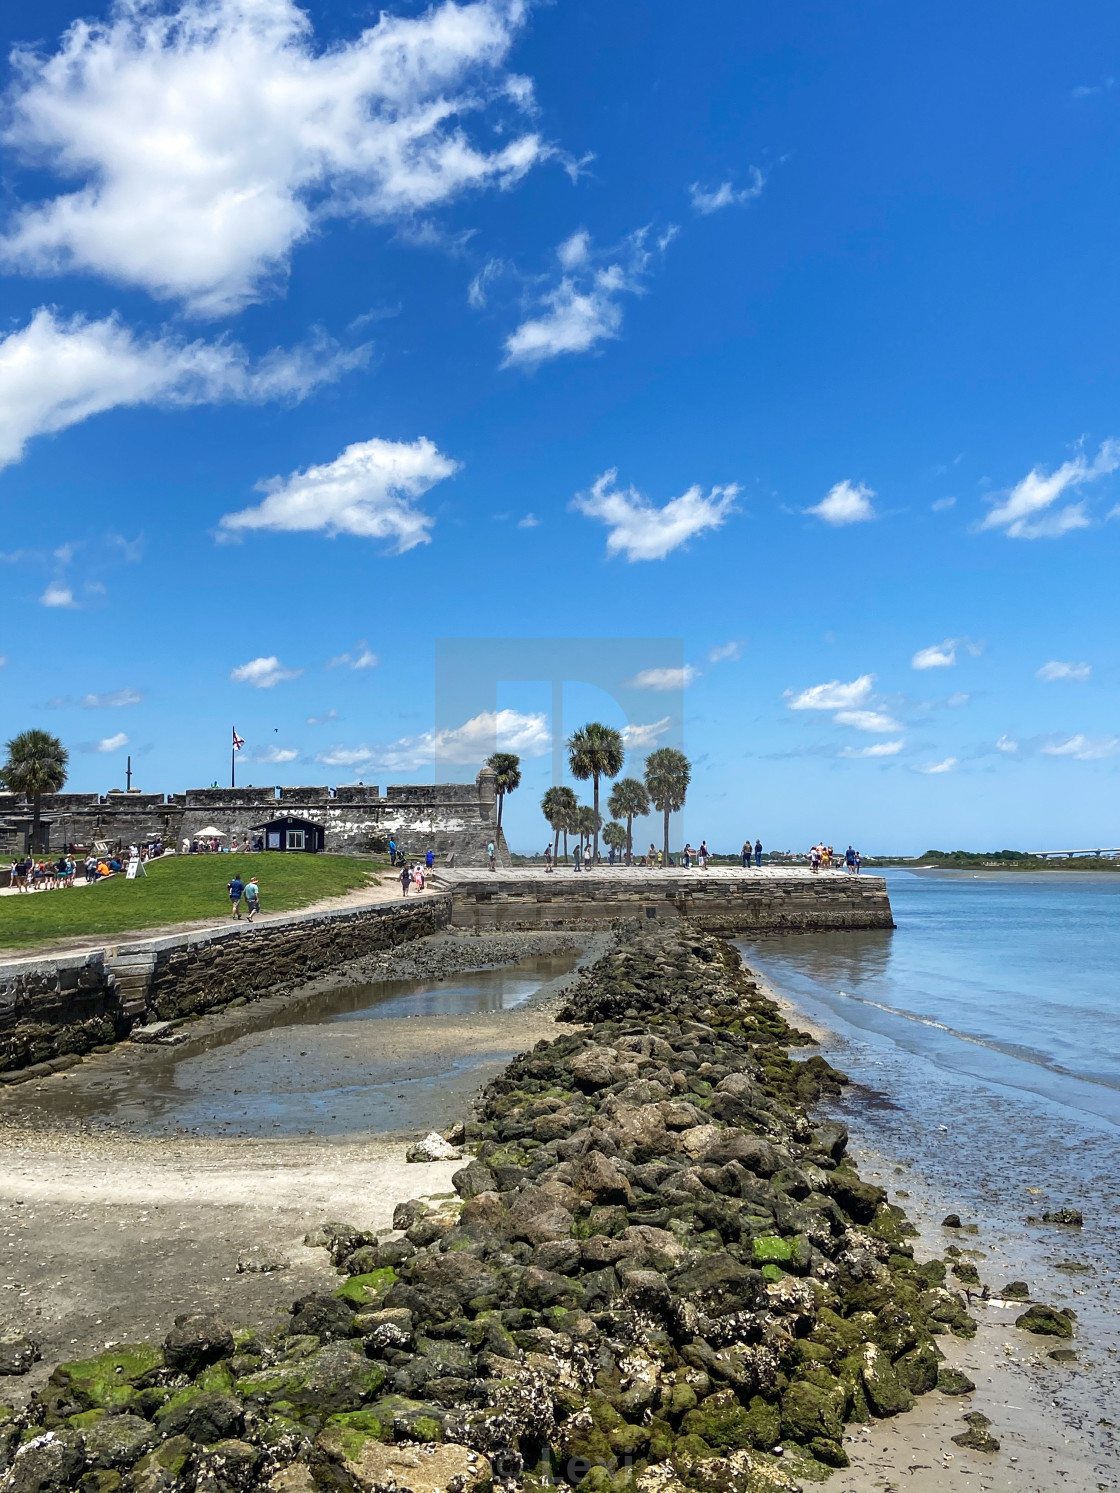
x,y
707,200
113,700
947,764
369,491
1053,670
113,743
725,652
504,730
638,736
1084,748
942,505
58,595
833,696
584,307
663,679
478,290
642,532
274,754
321,720
845,504
957,700
209,141
1006,745
530,521
877,749
867,720
936,656
56,373
263,673
360,657
1025,512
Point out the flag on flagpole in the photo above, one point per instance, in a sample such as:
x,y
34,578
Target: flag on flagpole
x,y
238,741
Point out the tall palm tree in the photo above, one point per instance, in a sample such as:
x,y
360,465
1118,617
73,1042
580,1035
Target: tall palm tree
x,y
614,836
629,800
36,764
559,806
596,751
588,823
668,773
507,776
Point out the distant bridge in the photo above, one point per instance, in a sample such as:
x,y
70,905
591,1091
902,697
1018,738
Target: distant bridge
x,y
1046,855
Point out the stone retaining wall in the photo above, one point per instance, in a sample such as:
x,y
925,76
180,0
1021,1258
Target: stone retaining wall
x,y
54,1009
725,904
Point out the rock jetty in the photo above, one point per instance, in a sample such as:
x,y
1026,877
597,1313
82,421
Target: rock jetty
x,y
661,1272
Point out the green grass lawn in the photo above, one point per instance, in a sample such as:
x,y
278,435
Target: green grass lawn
x,y
177,889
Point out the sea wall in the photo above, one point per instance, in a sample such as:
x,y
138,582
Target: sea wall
x,y
56,1008
725,903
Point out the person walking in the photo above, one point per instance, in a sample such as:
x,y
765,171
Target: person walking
x,y
236,889
857,862
651,858
490,856
702,855
548,856
405,880
430,859
577,855
850,860
758,853
252,897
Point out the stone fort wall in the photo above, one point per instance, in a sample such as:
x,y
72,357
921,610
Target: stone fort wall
x,y
455,820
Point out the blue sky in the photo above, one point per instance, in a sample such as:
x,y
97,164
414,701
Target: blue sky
x,y
789,332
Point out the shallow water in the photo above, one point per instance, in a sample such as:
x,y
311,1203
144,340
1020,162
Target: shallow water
x,y
389,1056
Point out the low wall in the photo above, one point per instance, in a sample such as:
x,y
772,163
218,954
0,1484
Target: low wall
x,y
722,902
54,1009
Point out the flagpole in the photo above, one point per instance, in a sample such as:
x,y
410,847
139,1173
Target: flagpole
x,y
233,765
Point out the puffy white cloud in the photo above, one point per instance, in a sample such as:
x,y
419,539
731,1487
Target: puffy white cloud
x,y
584,307
58,594
370,491
504,730
707,200
263,673
832,696
113,700
663,679
360,657
639,736
642,532
877,749
1006,745
113,743
1083,748
875,721
530,521
844,503
209,140
1028,512
947,764
936,656
55,373
1054,670
274,754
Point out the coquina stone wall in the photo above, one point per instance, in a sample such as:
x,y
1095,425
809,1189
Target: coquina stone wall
x,y
53,1010
725,904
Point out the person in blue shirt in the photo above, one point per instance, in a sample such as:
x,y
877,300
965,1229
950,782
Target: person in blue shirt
x,y
758,852
236,890
430,859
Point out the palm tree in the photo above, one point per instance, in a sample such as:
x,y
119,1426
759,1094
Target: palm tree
x,y
596,751
629,800
614,835
667,777
559,806
36,765
588,823
507,776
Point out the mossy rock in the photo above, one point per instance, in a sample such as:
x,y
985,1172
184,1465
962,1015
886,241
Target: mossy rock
x,y
109,1380
886,1394
169,1458
918,1368
1046,1321
364,1290
953,1382
831,1453
809,1412
271,1384
344,1435
726,1425
770,1249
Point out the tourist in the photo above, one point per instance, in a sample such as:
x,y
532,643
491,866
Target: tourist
x,y
548,856
577,854
392,851
850,860
815,859
857,862
702,855
490,856
90,868
418,877
252,897
746,852
610,857
686,858
660,860
758,853
236,889
651,856
404,876
430,859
